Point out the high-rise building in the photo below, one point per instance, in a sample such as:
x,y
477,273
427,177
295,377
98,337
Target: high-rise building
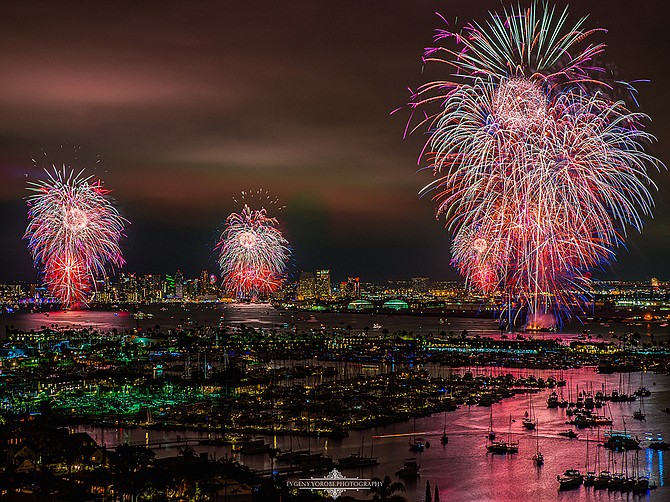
x,y
179,285
420,285
322,284
307,286
151,288
351,288
129,290
104,291
168,287
203,283
190,289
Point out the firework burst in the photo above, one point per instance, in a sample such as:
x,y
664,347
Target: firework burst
x,y
539,172
253,253
73,233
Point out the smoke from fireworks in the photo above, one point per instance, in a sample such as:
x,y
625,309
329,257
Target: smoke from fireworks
x,y
73,233
253,253
539,171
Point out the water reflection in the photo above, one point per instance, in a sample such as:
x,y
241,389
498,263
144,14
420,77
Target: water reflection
x,y
462,469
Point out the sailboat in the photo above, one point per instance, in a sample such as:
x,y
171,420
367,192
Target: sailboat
x,y
538,458
590,478
416,444
504,446
603,477
444,439
491,433
358,459
641,483
640,414
529,417
642,391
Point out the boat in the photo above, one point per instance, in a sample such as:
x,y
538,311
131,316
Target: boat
x,y
665,410
568,434
617,440
292,456
602,480
641,485
491,433
582,420
642,391
570,479
638,483
356,460
640,414
217,441
444,439
617,481
417,445
589,402
255,447
552,400
503,447
409,470
590,477
529,417
538,458
659,445
319,463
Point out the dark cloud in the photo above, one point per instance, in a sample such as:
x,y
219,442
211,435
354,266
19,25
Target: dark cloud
x,y
186,104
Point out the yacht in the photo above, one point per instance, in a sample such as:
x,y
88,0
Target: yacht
x,y
570,479
602,480
617,440
409,470
552,400
417,445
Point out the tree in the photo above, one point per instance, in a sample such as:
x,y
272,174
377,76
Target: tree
x,y
386,490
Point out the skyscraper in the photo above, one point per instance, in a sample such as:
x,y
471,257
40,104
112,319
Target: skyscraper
x,y
322,284
307,286
179,285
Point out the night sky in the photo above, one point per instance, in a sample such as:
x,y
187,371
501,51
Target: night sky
x,y
180,106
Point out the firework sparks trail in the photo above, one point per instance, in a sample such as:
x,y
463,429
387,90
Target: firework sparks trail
x,y
73,233
539,172
253,253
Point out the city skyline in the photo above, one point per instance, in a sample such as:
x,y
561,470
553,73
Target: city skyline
x,y
189,114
